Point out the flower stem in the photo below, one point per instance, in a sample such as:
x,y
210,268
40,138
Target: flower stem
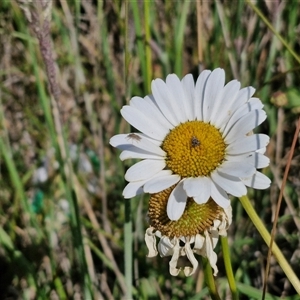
x,y
227,262
209,280
267,238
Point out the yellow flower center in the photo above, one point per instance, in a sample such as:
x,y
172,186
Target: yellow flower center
x,y
195,219
194,149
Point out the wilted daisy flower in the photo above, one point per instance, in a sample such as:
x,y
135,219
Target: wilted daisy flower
x,y
196,232
197,137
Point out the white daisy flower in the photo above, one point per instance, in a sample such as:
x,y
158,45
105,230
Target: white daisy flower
x,y
194,136
196,232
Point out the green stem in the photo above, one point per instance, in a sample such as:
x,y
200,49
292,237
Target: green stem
x,y
147,46
128,249
180,36
140,39
228,268
209,280
267,238
127,203
281,39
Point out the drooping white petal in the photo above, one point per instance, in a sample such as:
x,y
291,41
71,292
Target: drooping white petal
x,y
219,195
144,169
136,140
141,122
177,202
237,168
257,181
150,240
133,189
189,90
199,93
213,92
148,108
178,96
199,242
166,103
211,255
232,185
244,125
174,271
248,144
161,181
198,188
165,246
220,111
188,271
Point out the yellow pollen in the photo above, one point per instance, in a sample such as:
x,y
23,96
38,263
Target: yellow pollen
x,y
194,149
195,219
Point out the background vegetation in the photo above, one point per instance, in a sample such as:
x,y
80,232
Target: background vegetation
x,y
62,212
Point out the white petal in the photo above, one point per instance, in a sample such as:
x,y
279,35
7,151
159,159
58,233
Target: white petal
x,y
165,247
237,115
144,124
237,168
256,159
165,102
213,92
248,144
162,181
133,189
244,125
242,97
262,150
174,271
155,142
144,169
255,103
136,140
148,107
178,96
191,187
257,181
199,242
177,202
198,188
188,271
219,195
202,198
135,152
235,106
232,185
211,255
189,90
150,240
199,93
220,111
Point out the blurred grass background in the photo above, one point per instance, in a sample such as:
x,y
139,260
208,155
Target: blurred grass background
x,y
62,212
